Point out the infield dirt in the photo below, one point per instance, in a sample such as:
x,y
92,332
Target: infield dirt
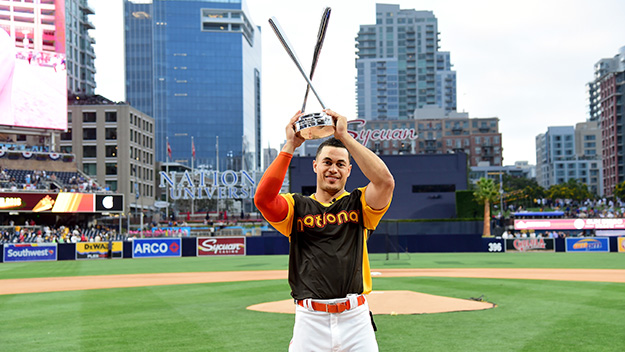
x,y
381,302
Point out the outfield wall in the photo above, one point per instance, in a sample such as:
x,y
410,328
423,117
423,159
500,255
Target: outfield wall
x,y
274,243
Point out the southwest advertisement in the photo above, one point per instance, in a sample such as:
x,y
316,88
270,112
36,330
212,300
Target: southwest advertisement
x,y
99,250
587,244
29,252
156,247
220,246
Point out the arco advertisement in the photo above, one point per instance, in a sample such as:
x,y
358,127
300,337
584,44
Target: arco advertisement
x,y
156,247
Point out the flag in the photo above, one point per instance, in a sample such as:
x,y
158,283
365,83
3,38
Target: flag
x,y
168,149
192,148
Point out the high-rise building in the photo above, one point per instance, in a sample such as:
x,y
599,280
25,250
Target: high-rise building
x,y
194,65
566,152
79,52
400,69
606,95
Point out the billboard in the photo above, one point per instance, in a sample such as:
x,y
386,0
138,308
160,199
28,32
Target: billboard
x,y
99,250
33,75
156,247
570,224
62,202
220,246
621,244
29,252
586,244
530,245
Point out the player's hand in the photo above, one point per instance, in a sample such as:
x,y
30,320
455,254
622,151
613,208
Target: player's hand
x,y
340,123
292,138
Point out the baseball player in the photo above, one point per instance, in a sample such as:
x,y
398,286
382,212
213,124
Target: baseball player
x,y
328,263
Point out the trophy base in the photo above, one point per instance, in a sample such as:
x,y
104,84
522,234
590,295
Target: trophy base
x,y
314,126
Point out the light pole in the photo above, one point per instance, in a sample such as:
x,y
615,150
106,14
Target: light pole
x,y
192,162
501,192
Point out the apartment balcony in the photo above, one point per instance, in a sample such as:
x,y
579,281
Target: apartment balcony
x,y
86,24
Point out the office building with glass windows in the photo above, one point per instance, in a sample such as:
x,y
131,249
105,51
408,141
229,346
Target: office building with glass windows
x,y
80,55
400,70
195,66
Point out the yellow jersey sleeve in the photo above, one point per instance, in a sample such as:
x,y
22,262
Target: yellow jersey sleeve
x,y
371,216
285,226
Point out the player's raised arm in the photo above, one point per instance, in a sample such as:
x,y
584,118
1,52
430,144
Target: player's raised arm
x,y
267,198
380,189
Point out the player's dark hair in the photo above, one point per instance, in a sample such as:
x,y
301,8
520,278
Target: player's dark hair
x,y
333,142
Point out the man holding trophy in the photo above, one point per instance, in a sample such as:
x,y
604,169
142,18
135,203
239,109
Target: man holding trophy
x,y
329,270
328,263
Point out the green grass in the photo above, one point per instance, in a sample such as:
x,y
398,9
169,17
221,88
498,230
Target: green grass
x,y
531,315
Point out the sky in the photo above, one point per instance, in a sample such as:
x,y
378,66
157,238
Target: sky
x,y
525,62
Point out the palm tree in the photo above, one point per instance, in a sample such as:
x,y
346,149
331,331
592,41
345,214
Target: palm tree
x,y
486,193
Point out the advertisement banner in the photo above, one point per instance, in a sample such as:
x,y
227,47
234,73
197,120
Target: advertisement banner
x,y
62,202
621,244
29,252
99,250
570,224
220,246
156,247
530,245
587,244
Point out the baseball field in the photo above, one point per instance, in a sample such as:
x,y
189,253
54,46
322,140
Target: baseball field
x,y
559,313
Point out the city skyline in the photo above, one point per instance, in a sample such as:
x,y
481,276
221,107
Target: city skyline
x,y
527,64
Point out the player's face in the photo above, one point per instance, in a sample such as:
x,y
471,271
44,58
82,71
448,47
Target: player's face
x,y
332,168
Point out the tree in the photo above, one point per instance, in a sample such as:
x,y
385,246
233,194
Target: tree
x,y
619,190
486,193
521,190
571,189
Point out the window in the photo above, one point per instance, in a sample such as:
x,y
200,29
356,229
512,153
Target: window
x,y
111,185
111,168
88,117
89,151
110,116
66,149
67,136
90,169
111,151
111,133
89,134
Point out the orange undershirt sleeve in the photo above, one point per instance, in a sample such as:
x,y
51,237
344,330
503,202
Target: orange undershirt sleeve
x,y
267,197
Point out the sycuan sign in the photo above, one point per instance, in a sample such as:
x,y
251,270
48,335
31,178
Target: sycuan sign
x,y
365,135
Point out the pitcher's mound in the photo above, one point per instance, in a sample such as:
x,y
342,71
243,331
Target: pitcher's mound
x,y
394,302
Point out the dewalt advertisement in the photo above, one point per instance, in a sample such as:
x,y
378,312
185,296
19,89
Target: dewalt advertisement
x,y
99,250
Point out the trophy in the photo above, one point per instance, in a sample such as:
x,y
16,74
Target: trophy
x,y
319,124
